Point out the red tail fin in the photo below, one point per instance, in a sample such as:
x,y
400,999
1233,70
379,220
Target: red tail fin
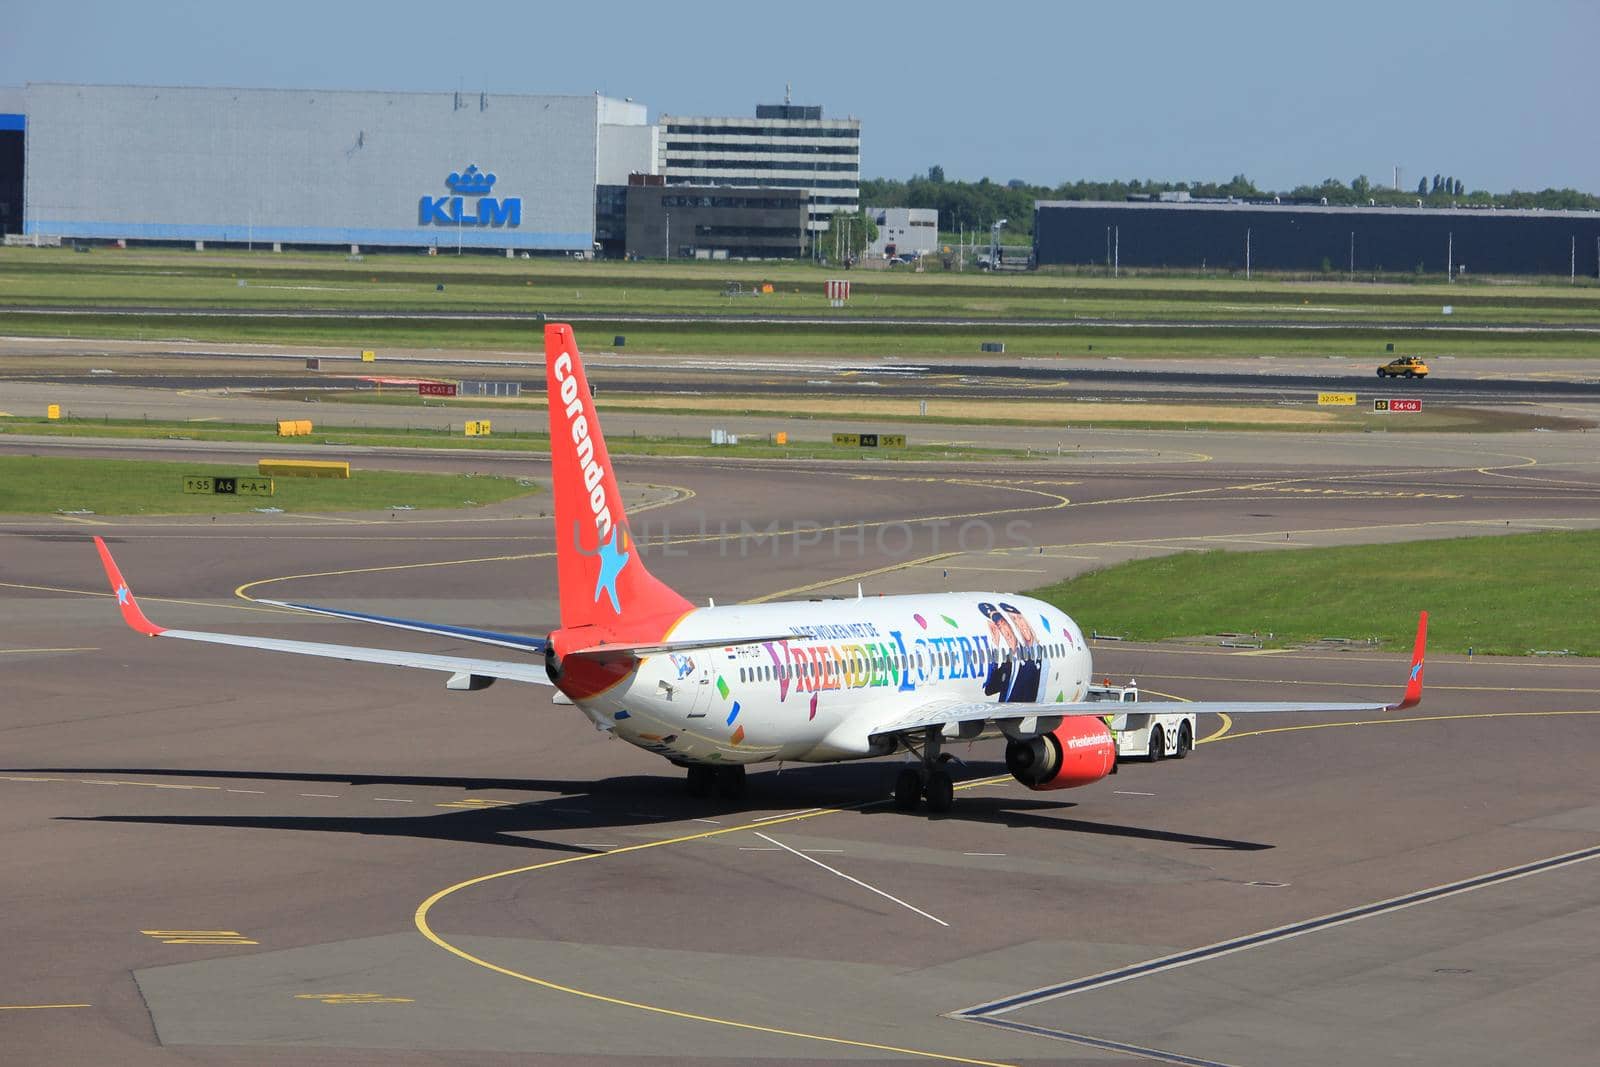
x,y
602,578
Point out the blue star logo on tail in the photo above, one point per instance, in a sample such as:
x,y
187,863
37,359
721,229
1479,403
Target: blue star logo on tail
x,y
1415,670
612,561
122,593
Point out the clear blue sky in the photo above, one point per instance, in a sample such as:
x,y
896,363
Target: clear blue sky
x,y
1500,95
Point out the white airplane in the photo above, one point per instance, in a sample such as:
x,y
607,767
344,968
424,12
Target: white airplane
x,y
715,689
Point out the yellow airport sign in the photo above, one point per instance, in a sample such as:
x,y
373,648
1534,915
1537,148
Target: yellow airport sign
x,y
870,440
1338,399
478,428
368,356
227,486
53,411
305,468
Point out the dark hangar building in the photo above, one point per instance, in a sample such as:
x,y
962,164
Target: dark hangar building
x,y
1189,235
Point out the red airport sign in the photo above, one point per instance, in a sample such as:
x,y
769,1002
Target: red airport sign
x,y
436,388
1397,405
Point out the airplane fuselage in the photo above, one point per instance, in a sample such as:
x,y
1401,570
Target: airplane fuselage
x,y
798,697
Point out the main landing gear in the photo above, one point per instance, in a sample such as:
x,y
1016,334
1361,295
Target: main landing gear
x,y
930,781
727,780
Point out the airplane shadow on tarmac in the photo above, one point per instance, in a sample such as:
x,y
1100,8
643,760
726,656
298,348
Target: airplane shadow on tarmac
x,y
626,801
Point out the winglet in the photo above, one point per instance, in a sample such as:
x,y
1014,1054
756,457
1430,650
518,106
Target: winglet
x,y
131,613
1413,695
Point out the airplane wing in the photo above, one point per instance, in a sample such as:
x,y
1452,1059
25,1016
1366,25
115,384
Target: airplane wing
x,y
528,644
464,633
1027,720
466,673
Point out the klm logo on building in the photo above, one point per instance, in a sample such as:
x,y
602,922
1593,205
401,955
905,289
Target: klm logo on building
x,y
453,210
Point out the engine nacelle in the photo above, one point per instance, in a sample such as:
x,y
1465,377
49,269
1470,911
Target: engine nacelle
x,y
1078,752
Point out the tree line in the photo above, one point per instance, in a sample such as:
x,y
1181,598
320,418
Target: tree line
x,y
977,205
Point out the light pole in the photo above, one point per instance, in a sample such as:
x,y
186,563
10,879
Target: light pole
x,y
666,249
994,242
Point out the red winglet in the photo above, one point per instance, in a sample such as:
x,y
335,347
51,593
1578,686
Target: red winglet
x,y
131,614
1413,695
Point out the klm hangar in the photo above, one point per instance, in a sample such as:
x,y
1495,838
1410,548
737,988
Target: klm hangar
x,y
274,168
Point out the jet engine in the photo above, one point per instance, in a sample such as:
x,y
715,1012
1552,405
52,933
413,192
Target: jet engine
x,y
1078,752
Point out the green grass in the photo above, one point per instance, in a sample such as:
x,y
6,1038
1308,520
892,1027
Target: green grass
x,y
844,340
1499,595
501,441
265,282
47,484
293,286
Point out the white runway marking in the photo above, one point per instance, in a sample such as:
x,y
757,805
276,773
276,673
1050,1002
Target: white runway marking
x,y
247,790
393,800
324,796
1206,953
857,881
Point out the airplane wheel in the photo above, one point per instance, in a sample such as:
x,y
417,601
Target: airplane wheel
x,y
701,779
907,789
1158,745
1185,742
730,782
940,791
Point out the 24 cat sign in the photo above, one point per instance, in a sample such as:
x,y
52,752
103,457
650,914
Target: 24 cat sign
x,y
1397,405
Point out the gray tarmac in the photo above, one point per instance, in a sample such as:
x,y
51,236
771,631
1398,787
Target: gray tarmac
x,y
223,856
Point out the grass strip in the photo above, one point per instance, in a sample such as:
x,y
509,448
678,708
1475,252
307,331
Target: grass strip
x,y
49,484
500,441
1505,595
846,340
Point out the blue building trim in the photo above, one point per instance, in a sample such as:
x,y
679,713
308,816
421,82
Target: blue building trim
x,y
17,123
235,233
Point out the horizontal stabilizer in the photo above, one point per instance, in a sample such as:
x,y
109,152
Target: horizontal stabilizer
x,y
661,648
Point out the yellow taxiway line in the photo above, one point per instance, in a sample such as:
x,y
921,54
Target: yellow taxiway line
x,y
427,931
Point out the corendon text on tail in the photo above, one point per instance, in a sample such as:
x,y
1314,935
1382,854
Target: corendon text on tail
x,y
716,689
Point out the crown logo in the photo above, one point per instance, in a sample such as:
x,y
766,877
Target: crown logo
x,y
470,182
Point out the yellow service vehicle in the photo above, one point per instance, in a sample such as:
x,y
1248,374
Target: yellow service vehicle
x,y
1404,367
